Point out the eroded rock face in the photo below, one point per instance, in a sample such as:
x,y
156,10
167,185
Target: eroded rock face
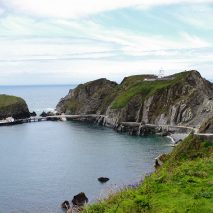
x,y
188,102
12,106
207,126
187,99
89,98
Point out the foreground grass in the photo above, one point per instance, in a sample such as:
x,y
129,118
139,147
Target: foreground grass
x,y
183,184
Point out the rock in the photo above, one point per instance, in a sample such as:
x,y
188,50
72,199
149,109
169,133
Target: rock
x,y
69,210
33,114
50,113
178,141
89,98
80,199
12,106
207,126
103,179
65,205
43,114
159,160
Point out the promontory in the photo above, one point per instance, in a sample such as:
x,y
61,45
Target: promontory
x,y
185,99
12,106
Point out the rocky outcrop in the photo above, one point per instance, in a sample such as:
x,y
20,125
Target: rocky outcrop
x,y
181,99
80,199
12,106
65,205
160,160
103,179
207,126
186,100
90,98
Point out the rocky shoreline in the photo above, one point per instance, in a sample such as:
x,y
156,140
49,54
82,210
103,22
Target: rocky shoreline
x,y
172,106
175,133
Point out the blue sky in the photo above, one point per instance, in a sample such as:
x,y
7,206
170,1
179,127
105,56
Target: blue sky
x,y
73,41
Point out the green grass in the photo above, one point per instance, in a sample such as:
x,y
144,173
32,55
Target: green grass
x,y
183,184
7,100
136,85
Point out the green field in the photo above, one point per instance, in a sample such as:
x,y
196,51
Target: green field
x,y
7,100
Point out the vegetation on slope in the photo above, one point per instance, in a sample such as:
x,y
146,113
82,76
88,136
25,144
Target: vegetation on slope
x,y
13,106
182,184
7,100
135,85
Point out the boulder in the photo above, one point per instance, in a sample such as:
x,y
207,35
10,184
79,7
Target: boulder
x,y
43,114
49,113
160,160
33,114
80,199
103,179
65,205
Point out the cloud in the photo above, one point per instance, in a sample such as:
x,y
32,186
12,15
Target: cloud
x,y
65,50
199,16
82,8
95,41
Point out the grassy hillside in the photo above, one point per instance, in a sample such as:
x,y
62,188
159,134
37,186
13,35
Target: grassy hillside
x,y
135,85
183,184
7,100
13,106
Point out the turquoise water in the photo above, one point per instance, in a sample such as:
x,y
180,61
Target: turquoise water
x,y
44,163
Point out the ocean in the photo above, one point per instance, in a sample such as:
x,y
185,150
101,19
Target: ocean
x,y
38,97
44,163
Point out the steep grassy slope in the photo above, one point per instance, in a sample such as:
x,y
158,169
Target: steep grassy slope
x,y
13,106
135,85
182,184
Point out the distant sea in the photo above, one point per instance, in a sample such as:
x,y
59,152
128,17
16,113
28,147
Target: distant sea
x,y
38,97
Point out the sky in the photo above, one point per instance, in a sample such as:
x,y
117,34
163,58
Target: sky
x,y
74,41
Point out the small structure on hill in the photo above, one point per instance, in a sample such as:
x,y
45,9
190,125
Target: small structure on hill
x,y
161,73
160,77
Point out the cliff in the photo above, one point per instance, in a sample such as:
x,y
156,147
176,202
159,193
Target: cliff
x,y
12,106
207,126
90,98
183,183
181,99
